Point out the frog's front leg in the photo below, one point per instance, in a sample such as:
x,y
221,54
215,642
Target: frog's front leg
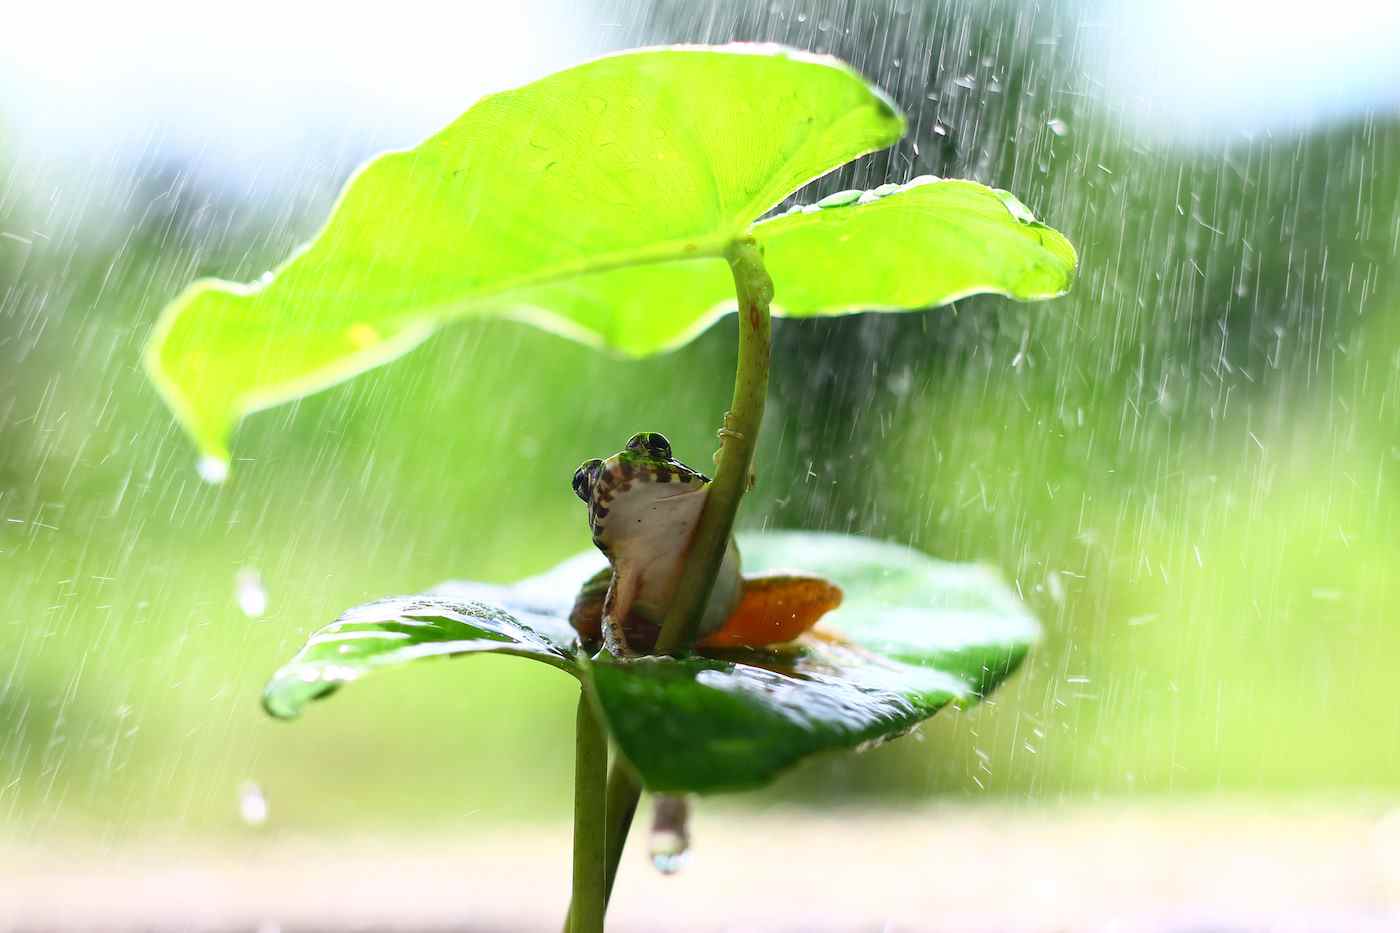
x,y
616,606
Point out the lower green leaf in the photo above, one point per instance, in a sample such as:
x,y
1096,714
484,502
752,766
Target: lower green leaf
x,y
912,636
395,631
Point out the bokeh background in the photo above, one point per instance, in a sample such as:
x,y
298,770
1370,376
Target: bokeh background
x,y
1189,467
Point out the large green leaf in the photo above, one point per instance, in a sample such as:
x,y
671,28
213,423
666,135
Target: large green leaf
x,y
645,157
898,247
598,203
917,634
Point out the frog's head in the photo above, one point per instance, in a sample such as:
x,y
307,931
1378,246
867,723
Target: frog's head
x,y
639,493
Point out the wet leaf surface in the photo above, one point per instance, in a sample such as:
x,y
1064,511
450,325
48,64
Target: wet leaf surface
x,y
913,635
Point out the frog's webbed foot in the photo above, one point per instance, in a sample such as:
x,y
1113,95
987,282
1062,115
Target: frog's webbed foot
x,y
614,638
727,431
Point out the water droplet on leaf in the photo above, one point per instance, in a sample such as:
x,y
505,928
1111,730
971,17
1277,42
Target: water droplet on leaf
x,y
840,199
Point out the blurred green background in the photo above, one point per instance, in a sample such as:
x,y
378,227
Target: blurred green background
x,y
1190,467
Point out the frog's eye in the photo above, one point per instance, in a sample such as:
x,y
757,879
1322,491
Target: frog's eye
x,y
655,445
583,479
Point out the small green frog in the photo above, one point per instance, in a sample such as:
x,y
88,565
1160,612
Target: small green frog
x,y
643,507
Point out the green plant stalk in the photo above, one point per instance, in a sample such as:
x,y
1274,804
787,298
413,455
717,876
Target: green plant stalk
x,y
624,790
589,901
739,440
754,290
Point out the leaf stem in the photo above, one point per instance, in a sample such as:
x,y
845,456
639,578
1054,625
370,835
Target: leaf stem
x,y
739,438
598,851
624,790
590,821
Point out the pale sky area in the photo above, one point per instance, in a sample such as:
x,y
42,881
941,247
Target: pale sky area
x,y
252,89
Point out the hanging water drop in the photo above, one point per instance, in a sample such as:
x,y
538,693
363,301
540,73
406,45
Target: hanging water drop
x,y
213,470
670,833
1057,126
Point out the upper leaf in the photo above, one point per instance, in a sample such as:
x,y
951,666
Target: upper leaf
x,y
633,159
898,247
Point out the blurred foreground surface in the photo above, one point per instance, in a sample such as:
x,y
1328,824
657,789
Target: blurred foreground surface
x,y
1170,867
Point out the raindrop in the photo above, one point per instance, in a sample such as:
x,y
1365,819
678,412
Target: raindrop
x,y
940,130
840,198
1057,126
213,470
251,594
966,81
670,833
252,805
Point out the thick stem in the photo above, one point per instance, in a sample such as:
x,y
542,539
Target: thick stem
x,y
739,439
597,851
624,790
590,821
623,793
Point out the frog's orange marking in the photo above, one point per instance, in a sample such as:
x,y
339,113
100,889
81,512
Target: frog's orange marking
x,y
775,608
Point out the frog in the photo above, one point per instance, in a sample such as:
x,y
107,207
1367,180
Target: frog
x,y
643,508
